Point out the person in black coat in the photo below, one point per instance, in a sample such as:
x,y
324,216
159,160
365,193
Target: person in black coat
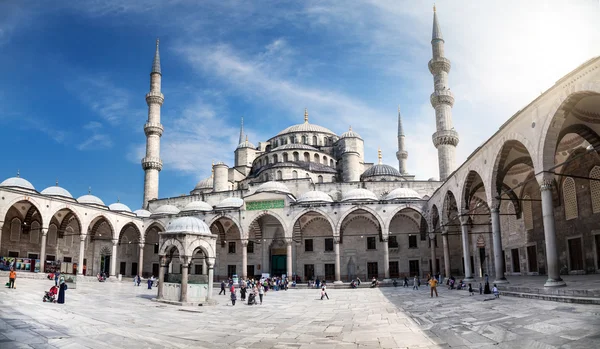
x,y
61,290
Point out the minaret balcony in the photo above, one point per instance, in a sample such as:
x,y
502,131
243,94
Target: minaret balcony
x,y
151,163
442,97
402,155
445,137
439,64
152,128
153,97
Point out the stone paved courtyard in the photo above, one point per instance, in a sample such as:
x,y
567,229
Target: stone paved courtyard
x,y
119,315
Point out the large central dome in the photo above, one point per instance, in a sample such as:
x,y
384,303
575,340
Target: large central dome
x,y
306,127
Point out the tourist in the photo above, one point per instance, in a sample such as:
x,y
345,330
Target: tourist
x,y
374,282
11,278
433,287
233,297
61,291
405,282
471,290
243,292
222,288
495,291
324,292
261,292
139,280
56,277
150,282
416,283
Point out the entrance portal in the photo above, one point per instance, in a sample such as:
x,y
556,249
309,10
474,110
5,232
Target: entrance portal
x,y
278,265
105,264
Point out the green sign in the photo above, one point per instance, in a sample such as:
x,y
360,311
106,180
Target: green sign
x,y
264,205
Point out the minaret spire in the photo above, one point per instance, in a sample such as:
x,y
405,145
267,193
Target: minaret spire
x,y
151,163
445,138
241,132
401,154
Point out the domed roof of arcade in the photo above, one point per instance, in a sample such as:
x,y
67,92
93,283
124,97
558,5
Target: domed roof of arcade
x,y
90,200
314,196
359,194
119,207
17,182
188,225
166,210
230,203
273,187
197,206
402,193
142,213
57,191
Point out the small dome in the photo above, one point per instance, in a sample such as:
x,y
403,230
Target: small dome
x,y
273,187
245,144
166,209
230,203
314,196
142,213
206,183
220,163
402,193
57,191
380,170
17,182
90,199
350,134
359,195
190,225
119,207
197,206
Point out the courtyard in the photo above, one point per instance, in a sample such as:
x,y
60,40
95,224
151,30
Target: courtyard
x,y
119,315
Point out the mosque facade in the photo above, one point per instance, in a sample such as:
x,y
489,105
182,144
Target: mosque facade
x,y
305,203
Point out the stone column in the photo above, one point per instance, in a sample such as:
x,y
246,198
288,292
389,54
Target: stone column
x,y
244,259
43,250
265,257
81,254
464,219
141,260
113,258
554,278
161,275
497,241
386,259
446,253
433,256
210,263
288,262
336,249
204,267
184,279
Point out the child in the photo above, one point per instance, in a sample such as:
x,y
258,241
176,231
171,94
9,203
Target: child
x,y
324,293
233,298
495,291
471,290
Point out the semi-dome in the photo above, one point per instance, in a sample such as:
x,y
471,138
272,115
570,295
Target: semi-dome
x,y
17,182
90,200
273,187
359,194
57,191
380,170
295,146
206,183
350,134
197,206
402,193
119,207
189,225
230,203
314,196
142,213
166,209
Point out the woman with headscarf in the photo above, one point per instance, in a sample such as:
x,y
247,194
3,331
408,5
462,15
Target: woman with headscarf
x,y
61,290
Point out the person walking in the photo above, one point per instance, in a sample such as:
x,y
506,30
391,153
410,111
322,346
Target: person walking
x,y
433,286
471,290
150,282
222,288
415,283
11,278
61,290
233,297
243,292
261,293
405,282
324,292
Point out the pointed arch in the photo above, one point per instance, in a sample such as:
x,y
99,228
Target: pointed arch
x,y
30,200
569,192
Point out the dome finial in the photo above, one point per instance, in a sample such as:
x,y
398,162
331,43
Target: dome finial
x,y
118,199
246,138
57,182
89,190
379,155
434,7
18,173
305,115
212,168
350,128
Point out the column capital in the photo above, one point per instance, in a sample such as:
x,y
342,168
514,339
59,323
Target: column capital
x,y
142,244
337,240
464,219
210,262
44,231
432,235
244,242
115,242
82,237
289,241
546,184
385,238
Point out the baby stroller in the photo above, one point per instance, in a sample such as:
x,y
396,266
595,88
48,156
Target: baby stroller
x,y
50,296
251,299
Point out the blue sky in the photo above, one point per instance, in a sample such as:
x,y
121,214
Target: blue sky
x,y
75,75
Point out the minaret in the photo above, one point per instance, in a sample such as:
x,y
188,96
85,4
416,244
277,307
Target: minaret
x,y
442,100
152,164
401,154
241,132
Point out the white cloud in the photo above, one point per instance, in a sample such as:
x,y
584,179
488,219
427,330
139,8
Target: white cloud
x,y
98,139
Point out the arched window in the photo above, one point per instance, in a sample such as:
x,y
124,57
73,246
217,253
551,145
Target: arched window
x,y
295,174
279,175
306,157
570,198
285,157
284,141
316,158
296,156
315,141
508,219
331,162
527,212
15,229
34,234
303,139
275,144
267,160
292,139
52,235
275,159
68,237
325,160
595,189
320,179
